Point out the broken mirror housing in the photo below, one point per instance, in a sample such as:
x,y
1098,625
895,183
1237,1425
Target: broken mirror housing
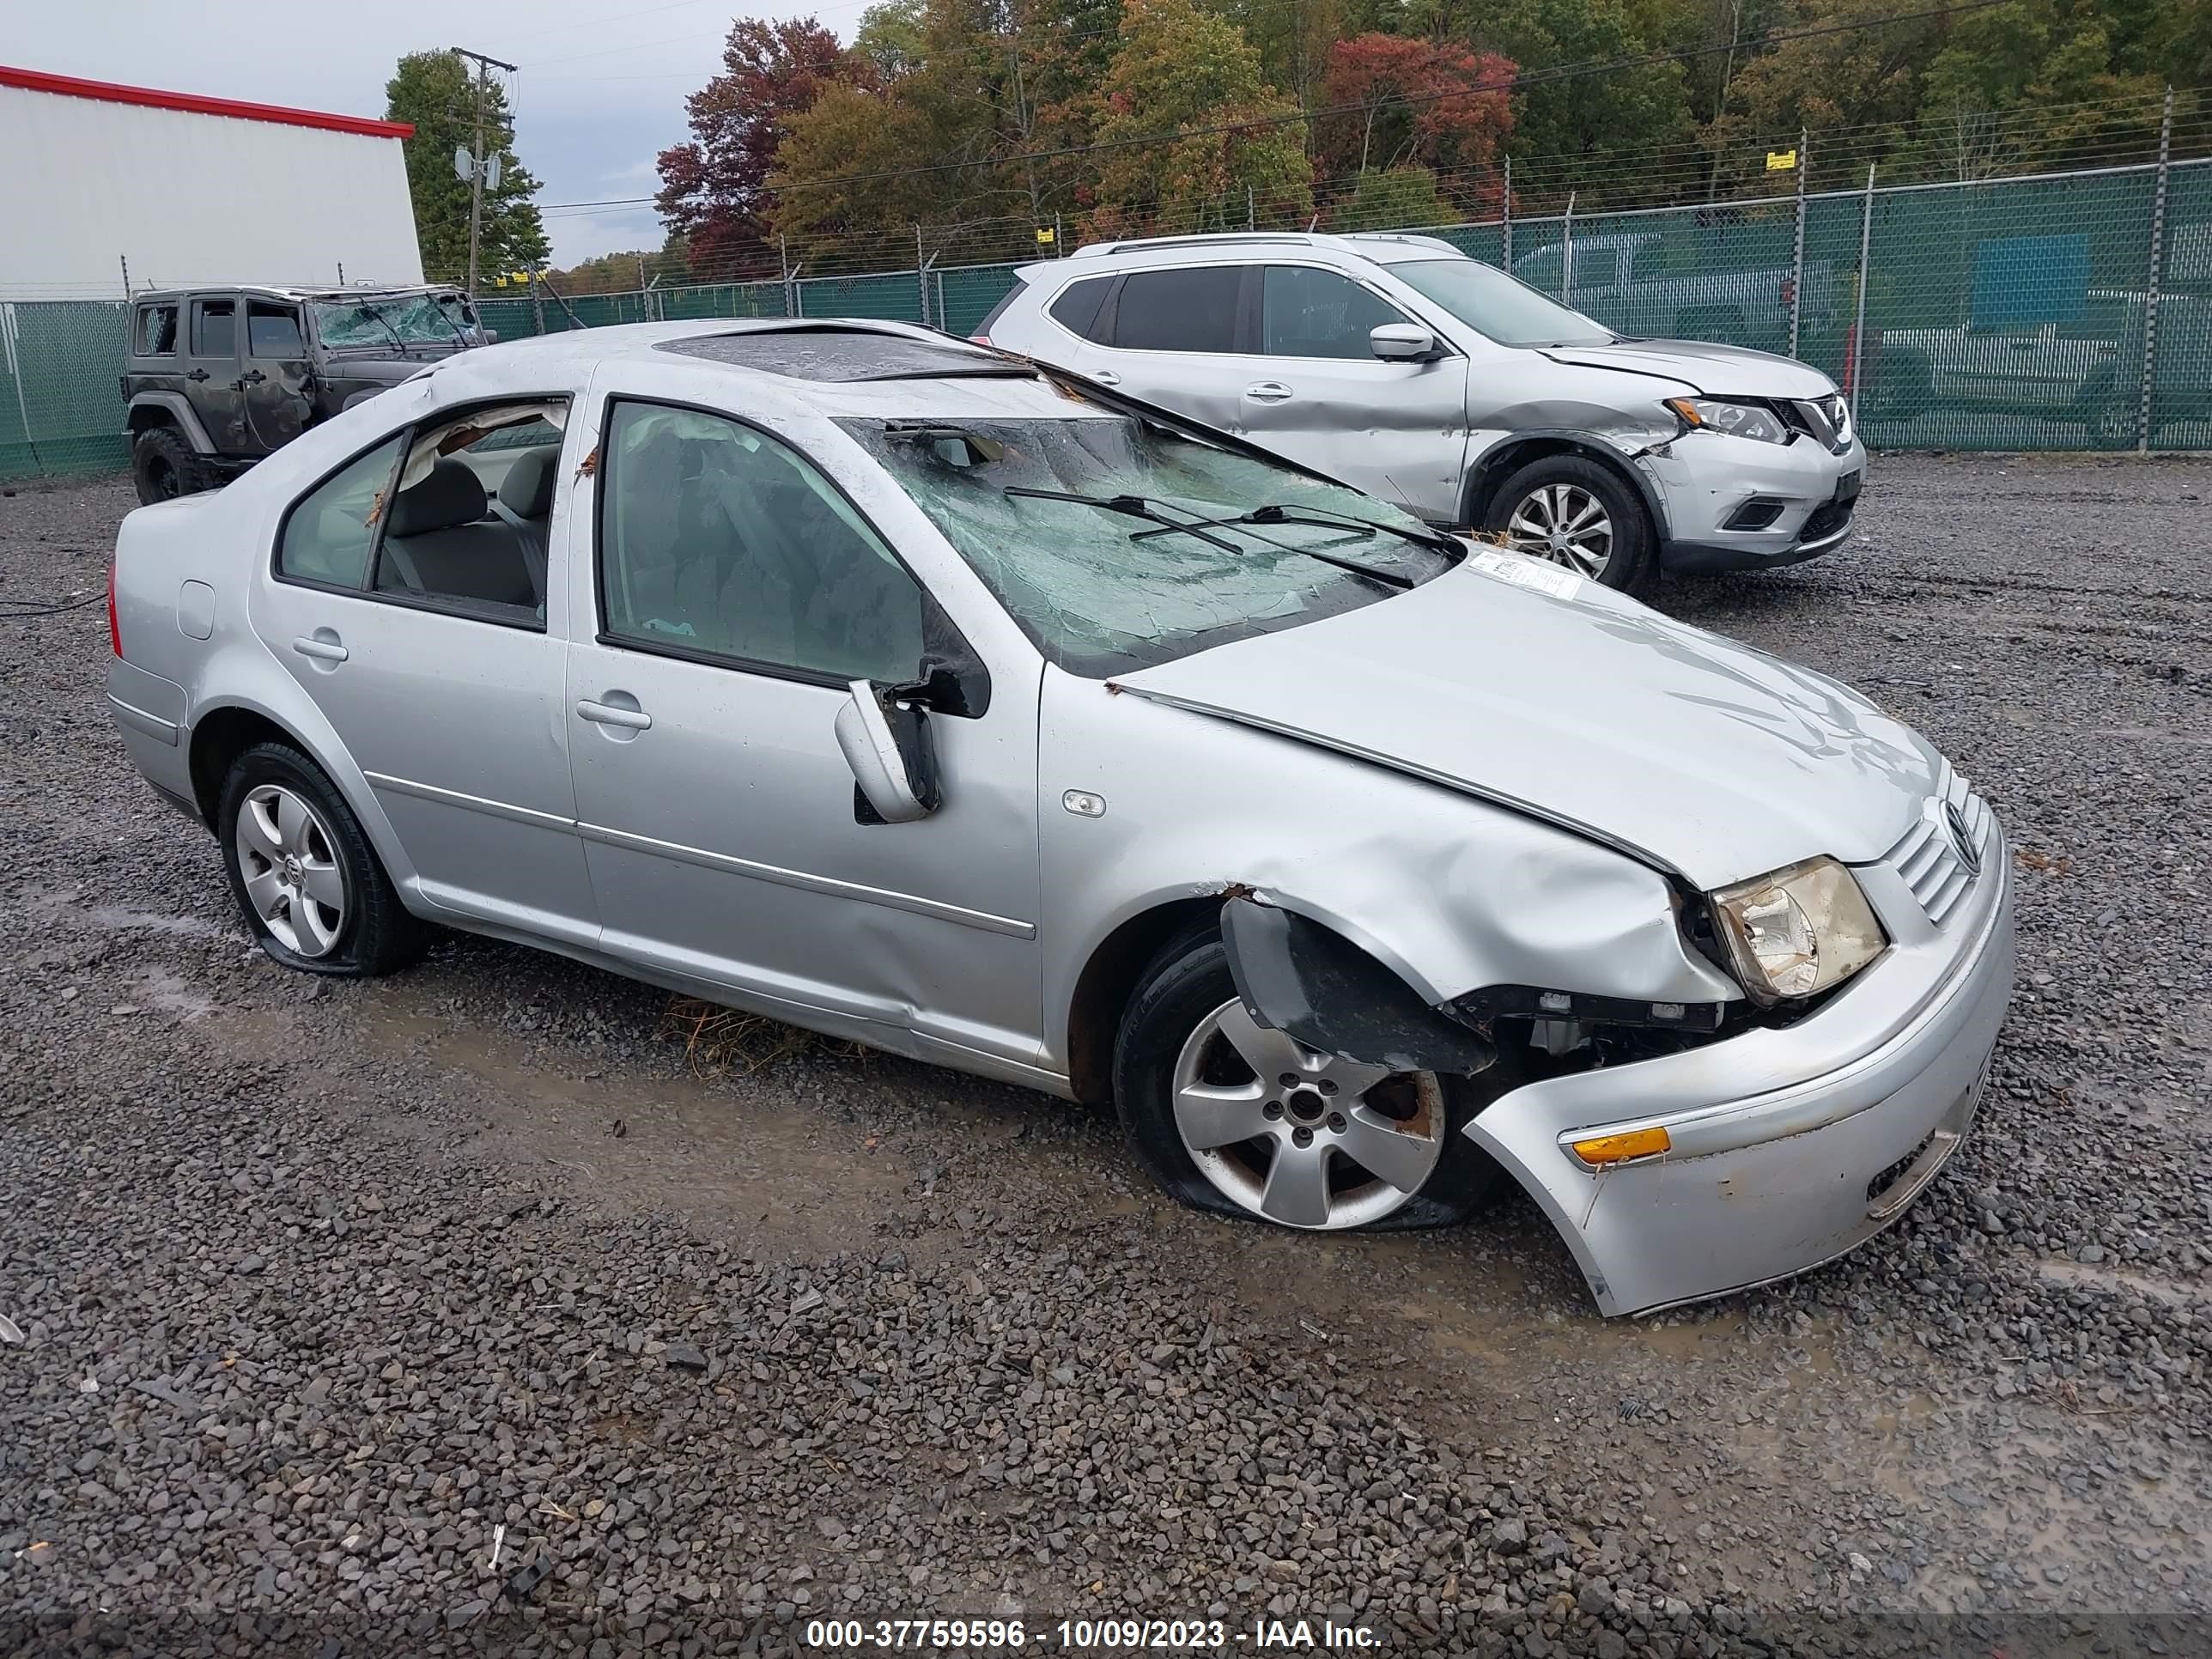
x,y
1798,931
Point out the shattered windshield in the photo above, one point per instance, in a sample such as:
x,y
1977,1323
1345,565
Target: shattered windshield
x,y
1078,527
393,321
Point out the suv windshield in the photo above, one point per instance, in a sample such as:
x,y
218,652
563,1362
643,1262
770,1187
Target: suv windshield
x,y
1505,310
1073,524
393,320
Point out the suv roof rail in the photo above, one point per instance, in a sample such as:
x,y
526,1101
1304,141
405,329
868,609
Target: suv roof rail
x,y
1220,238
1409,238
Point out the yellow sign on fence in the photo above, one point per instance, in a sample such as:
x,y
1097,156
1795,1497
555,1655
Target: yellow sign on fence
x,y
1044,235
1781,160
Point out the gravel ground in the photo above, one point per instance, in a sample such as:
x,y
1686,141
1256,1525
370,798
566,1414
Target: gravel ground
x,y
320,1284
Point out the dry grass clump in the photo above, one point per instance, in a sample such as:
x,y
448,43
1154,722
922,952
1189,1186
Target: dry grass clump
x,y
718,1040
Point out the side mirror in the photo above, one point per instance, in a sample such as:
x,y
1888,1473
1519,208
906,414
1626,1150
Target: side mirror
x,y
490,337
894,761
1403,343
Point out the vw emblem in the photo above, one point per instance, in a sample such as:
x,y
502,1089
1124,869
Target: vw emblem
x,y
1962,839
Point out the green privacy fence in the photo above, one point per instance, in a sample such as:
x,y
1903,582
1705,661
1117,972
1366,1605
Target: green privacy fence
x,y
2061,312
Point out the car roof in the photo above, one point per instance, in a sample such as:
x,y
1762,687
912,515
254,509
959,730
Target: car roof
x,y
858,367
282,291
1366,246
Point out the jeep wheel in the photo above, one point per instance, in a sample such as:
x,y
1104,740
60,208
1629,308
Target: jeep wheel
x,y
163,467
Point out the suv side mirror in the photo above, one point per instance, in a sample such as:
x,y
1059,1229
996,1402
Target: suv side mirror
x,y
887,744
491,337
1403,343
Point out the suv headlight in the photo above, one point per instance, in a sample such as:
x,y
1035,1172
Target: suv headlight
x,y
1799,930
1753,421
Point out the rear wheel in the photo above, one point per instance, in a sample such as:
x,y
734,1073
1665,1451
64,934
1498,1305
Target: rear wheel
x,y
1577,513
164,467
1232,1117
304,877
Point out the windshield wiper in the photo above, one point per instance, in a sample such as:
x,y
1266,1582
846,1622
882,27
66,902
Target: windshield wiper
x,y
380,319
1134,506
1328,519
1391,579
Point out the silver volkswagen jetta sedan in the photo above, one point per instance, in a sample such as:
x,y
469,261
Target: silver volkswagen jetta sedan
x,y
904,690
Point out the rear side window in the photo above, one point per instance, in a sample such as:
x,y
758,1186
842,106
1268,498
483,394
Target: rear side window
x,y
329,531
1076,310
1190,309
214,329
273,331
157,331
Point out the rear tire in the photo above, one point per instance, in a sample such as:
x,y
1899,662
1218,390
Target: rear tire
x,y
1555,493
1187,986
305,877
164,466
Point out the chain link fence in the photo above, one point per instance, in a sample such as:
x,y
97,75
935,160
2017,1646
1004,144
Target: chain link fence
x,y
2069,311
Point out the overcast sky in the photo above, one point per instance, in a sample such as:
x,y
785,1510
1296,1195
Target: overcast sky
x,y
599,95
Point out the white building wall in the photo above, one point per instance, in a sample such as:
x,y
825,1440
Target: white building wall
x,y
191,199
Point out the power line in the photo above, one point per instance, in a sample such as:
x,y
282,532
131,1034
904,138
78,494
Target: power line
x,y
1517,82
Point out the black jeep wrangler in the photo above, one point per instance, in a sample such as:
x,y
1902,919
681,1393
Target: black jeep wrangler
x,y
219,377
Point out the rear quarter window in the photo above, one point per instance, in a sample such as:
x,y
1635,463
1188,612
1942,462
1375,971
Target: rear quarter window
x,y
156,334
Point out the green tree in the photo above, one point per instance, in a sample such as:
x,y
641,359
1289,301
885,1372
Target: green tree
x,y
1181,70
1600,135
1397,199
435,91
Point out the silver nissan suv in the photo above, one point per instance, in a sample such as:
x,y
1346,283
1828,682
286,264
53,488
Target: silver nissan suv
x,y
1398,364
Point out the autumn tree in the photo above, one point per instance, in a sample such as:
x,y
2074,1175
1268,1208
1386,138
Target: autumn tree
x,y
1191,131
435,92
716,190
1395,102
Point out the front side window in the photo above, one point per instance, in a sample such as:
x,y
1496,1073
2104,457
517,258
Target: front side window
x,y
214,329
1495,306
331,530
1306,313
1193,308
272,331
719,540
1099,582
157,331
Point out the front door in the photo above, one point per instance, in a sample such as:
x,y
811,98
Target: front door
x,y
408,616
211,374
275,381
1318,394
739,592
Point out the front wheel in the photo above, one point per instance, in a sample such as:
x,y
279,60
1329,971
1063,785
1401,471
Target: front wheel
x,y
1577,513
1232,1117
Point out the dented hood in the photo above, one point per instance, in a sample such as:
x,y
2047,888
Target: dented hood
x,y
1691,751
1718,371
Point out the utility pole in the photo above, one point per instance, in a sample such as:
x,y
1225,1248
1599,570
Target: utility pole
x,y
484,67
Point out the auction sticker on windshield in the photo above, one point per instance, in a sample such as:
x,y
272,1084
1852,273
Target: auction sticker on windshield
x,y
1524,572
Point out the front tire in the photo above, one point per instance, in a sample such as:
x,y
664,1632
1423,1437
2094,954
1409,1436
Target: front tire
x,y
1235,1119
306,879
163,465
1578,513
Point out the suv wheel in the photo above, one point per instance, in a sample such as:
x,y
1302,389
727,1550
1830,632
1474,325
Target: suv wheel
x,y
304,877
164,467
1242,1121
1579,513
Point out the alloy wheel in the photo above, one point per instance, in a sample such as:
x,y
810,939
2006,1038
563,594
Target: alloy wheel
x,y
1303,1137
290,868
1565,524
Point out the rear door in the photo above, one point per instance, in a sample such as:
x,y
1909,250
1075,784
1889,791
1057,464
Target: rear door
x,y
1172,337
212,370
275,376
1316,392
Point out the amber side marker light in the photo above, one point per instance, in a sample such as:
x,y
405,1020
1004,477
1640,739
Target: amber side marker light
x,y
1619,1149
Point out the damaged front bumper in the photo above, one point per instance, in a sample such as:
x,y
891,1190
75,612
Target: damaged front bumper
x,y
1734,504
1790,1145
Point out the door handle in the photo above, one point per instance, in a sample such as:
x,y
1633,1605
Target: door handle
x,y
195,374
607,713
251,377
320,650
1107,377
1268,392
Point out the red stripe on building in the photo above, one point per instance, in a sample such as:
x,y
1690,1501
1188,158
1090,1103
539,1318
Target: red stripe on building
x,y
107,92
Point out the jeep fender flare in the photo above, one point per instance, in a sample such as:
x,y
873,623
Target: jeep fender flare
x,y
180,410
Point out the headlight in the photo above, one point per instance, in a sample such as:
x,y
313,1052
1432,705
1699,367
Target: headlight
x,y
1798,931
1737,420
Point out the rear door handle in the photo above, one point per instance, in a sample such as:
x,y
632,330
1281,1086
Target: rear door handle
x,y
1268,392
251,377
606,714
1107,377
321,650
195,374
